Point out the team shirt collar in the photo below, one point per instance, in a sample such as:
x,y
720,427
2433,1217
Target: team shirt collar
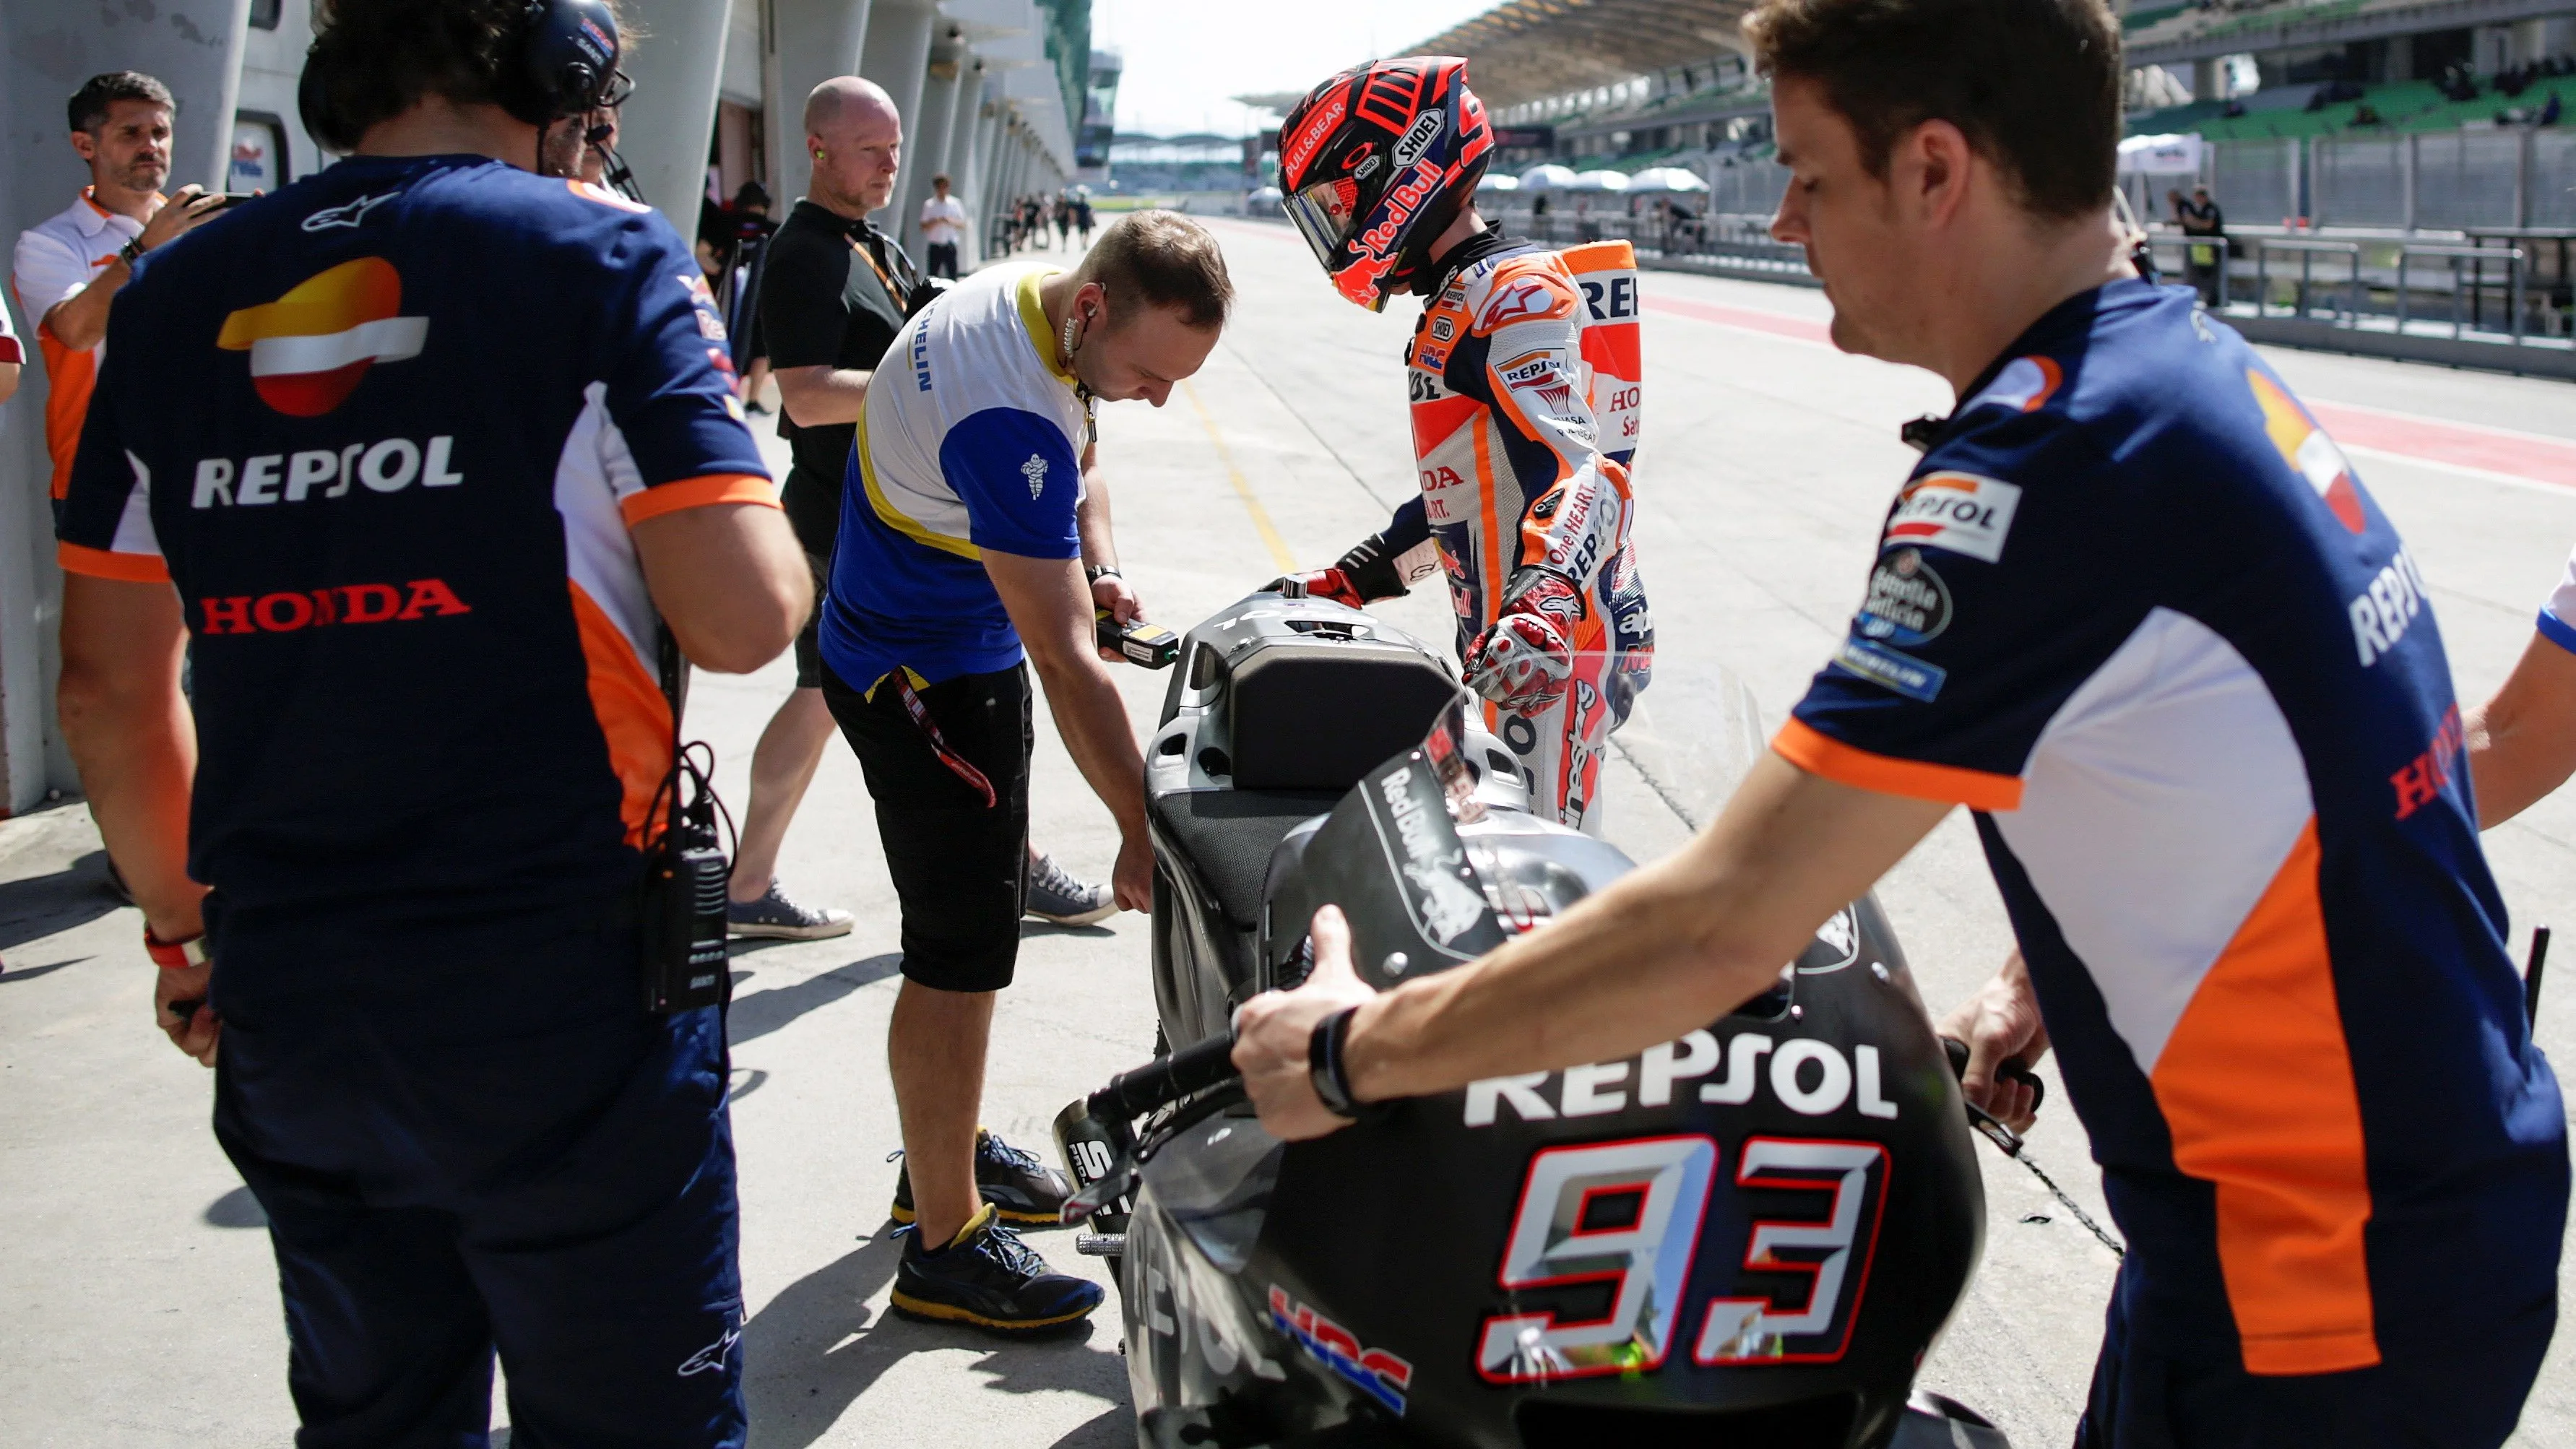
x,y
1033,316
93,218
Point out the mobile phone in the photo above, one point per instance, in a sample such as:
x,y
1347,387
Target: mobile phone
x,y
229,199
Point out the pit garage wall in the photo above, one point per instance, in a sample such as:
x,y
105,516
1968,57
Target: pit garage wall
x,y
47,48
1001,130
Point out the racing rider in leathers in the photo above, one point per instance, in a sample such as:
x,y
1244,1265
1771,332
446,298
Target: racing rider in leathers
x,y
1524,391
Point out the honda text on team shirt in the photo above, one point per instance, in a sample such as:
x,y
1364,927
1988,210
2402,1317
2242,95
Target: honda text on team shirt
x,y
422,636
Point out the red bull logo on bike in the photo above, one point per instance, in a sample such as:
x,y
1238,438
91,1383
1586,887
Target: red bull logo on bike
x,y
1375,1372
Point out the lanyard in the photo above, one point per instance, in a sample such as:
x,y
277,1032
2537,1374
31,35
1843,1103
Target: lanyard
x,y
893,292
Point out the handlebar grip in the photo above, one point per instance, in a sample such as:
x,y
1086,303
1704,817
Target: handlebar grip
x,y
1191,1069
2010,1070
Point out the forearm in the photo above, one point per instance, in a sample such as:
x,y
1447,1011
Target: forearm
x,y
1092,719
136,750
1091,518
820,397
1546,1000
2512,765
2522,744
1662,951
81,321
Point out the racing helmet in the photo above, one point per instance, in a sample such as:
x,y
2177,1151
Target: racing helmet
x,y
1375,164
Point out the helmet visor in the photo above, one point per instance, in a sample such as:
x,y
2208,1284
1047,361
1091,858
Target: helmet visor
x,y
1324,214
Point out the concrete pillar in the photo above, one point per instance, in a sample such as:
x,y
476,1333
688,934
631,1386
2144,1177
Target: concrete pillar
x,y
664,130
965,148
815,40
925,152
47,48
989,180
2208,79
898,58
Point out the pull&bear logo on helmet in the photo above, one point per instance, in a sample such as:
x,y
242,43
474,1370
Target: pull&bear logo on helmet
x,y
311,348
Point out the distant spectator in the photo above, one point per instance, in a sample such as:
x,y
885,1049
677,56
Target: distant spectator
x,y
2549,113
1082,218
943,225
2174,205
2204,228
745,264
69,268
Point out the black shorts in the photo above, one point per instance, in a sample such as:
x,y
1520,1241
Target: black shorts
x,y
814,512
960,866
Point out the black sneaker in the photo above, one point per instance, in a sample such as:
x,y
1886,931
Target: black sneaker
x,y
990,1279
1054,895
1017,1185
777,917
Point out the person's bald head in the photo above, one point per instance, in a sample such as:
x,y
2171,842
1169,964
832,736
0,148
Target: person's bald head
x,y
855,137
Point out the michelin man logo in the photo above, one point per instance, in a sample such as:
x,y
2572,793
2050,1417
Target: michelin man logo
x,y
1035,470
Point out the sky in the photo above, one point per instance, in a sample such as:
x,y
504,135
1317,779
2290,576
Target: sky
x,y
1186,57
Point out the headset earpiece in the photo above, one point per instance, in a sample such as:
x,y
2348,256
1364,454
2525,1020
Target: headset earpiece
x,y
567,56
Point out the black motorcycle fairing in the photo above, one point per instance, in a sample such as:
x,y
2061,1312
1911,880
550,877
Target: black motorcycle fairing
x,y
1676,1247
1277,707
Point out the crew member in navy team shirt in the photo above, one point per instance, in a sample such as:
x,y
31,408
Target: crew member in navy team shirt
x,y
416,460
2136,612
969,520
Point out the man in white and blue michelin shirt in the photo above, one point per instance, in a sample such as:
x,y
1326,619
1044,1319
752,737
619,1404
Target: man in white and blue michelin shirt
x,y
974,541
2522,743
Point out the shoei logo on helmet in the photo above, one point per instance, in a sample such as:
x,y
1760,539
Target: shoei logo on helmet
x,y
1419,138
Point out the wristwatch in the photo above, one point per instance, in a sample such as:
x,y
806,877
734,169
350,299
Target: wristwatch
x,y
1093,573
175,955
1330,1072
132,249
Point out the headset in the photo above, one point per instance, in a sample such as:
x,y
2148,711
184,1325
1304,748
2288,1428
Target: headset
x,y
565,63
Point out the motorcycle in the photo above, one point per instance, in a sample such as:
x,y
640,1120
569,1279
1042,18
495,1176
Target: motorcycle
x,y
1750,1235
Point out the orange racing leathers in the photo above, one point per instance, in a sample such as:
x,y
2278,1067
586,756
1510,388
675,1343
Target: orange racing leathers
x,y
1525,392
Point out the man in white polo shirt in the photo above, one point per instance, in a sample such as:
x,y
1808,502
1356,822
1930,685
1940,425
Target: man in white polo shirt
x,y
943,225
68,268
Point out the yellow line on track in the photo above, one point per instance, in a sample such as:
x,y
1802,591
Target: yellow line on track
x,y
1278,547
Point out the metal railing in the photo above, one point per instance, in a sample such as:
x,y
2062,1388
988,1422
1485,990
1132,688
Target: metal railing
x,y
2376,279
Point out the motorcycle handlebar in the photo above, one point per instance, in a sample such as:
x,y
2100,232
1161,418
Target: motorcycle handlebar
x,y
2011,1070
1191,1069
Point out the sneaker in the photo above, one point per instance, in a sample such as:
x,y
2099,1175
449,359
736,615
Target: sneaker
x,y
1014,1183
756,408
988,1278
775,915
1054,895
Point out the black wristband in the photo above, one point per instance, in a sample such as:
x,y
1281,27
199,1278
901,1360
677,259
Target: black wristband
x,y
1330,1072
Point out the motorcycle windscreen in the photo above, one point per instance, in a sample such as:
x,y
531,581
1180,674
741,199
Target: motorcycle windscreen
x,y
1389,855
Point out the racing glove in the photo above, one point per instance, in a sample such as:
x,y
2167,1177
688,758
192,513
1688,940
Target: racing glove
x,y
1369,571
1524,659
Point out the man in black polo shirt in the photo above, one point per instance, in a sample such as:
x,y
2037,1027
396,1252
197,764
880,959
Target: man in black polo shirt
x,y
834,292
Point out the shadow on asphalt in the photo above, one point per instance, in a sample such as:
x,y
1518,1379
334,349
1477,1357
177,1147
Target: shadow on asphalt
x,y
762,1012
236,1209
1033,927
42,905
814,1350
32,972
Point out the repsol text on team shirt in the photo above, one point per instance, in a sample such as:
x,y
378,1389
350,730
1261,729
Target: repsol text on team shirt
x,y
389,466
